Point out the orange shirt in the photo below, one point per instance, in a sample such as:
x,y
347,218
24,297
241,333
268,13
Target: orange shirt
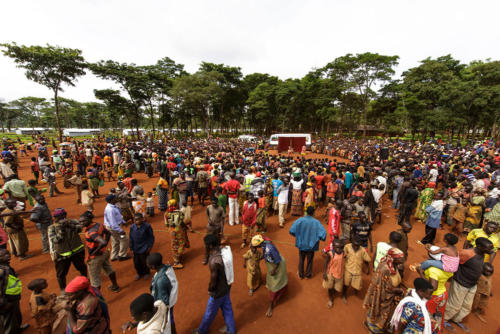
x,y
336,264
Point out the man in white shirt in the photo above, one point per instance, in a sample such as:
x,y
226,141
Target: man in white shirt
x,y
433,174
283,201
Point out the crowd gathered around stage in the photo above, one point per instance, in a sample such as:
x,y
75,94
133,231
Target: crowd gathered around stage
x,y
336,197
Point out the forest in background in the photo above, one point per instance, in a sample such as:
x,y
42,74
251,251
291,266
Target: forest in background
x,y
352,95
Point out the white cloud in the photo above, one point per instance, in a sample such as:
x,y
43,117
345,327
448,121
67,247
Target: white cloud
x,y
281,37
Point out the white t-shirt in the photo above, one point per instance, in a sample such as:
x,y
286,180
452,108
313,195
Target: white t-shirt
x,y
159,323
377,194
433,175
283,195
297,185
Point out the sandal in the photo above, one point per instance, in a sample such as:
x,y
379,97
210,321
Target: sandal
x,y
463,327
449,327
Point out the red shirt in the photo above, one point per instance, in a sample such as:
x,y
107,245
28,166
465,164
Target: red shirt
x,y
232,187
319,181
249,214
34,166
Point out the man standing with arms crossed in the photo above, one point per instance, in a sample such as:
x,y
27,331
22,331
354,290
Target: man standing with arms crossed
x,y
113,221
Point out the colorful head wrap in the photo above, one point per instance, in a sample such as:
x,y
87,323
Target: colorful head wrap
x,y
79,283
257,240
58,212
392,254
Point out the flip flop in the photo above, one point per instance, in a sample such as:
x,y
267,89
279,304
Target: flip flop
x,y
449,327
463,327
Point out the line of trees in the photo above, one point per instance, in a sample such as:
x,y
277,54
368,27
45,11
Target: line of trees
x,y
351,94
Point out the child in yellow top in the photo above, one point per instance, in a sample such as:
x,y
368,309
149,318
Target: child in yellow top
x,y
251,262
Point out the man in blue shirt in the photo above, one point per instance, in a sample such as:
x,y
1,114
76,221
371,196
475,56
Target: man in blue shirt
x,y
276,183
141,242
435,211
113,221
307,231
164,285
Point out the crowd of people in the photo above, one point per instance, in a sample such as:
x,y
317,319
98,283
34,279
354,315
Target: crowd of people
x,y
337,198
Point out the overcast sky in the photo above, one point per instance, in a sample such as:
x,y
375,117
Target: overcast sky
x,y
286,38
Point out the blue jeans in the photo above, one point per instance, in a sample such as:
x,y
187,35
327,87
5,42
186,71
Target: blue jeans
x,y
213,305
395,202
431,263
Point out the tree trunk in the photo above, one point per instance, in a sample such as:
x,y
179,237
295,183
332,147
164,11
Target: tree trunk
x,y
365,118
494,128
56,102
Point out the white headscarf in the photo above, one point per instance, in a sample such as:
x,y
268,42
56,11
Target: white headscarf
x,y
414,298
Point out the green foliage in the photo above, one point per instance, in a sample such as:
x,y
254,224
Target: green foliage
x,y
50,66
352,93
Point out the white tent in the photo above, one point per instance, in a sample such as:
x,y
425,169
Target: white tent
x,y
81,132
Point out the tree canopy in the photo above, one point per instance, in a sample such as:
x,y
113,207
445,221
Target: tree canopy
x,y
351,94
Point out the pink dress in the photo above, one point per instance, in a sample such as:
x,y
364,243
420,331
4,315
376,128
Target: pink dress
x,y
450,263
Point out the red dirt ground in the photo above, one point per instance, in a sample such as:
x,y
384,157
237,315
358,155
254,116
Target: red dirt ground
x,y
302,310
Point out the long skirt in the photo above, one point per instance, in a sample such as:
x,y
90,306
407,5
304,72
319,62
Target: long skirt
x,y
162,199
278,281
94,183
19,243
436,307
297,209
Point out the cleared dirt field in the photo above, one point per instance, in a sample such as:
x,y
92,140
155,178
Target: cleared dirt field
x,y
302,310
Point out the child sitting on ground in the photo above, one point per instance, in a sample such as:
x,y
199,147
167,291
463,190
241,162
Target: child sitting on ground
x,y
251,262
444,258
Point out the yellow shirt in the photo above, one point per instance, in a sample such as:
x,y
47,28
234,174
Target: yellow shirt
x,y
479,233
440,276
354,260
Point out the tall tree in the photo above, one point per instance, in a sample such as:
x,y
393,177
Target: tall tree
x,y
364,71
31,108
51,66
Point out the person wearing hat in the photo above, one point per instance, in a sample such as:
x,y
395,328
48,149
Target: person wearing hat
x,y
66,246
87,310
276,278
113,221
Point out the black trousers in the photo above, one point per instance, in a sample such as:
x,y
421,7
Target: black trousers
x,y
62,267
430,235
303,255
140,264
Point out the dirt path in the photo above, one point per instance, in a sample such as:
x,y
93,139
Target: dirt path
x,y
302,310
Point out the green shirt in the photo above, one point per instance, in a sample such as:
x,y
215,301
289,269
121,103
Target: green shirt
x,y
16,188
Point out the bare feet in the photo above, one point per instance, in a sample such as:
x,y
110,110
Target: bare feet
x,y
269,312
344,300
330,304
250,292
414,267
480,317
